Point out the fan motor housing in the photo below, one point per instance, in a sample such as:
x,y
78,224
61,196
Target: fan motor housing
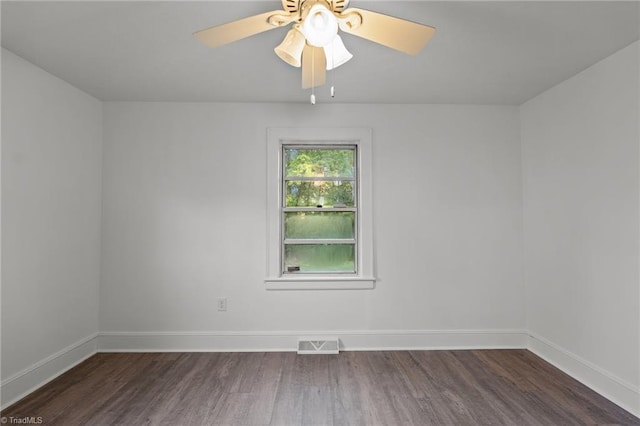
x,y
339,5
294,6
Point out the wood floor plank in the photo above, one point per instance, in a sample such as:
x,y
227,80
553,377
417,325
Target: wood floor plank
x,y
525,393
408,410
287,409
264,391
317,406
379,391
438,386
478,387
505,398
234,410
346,389
569,396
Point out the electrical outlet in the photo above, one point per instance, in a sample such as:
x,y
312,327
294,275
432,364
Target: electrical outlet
x,y
222,304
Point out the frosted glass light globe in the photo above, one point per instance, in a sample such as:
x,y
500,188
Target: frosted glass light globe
x,y
320,26
336,53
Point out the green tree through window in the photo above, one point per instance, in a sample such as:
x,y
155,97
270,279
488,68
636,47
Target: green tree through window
x,y
319,211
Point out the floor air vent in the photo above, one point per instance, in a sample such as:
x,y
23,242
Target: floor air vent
x,y
313,346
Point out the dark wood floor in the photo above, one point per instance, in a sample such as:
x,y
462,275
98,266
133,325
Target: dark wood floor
x,y
488,387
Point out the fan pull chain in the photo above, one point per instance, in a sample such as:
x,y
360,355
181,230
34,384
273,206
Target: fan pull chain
x,y
313,86
332,91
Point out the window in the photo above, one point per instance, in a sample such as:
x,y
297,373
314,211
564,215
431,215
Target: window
x,y
319,209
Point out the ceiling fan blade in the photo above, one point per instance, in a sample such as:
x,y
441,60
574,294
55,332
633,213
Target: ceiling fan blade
x,y
314,63
242,28
400,34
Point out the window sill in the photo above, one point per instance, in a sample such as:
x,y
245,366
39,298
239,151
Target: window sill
x,y
317,283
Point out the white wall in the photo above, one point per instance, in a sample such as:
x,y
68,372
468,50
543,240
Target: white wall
x,y
184,221
51,207
581,219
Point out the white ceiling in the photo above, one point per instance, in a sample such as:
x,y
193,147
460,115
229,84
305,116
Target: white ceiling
x,y
482,53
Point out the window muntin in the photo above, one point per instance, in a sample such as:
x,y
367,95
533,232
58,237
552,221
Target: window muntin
x,y
319,210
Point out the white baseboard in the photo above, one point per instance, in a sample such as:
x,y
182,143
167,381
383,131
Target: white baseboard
x,y
615,389
37,375
283,341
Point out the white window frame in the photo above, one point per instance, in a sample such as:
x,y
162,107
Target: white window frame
x,y
364,277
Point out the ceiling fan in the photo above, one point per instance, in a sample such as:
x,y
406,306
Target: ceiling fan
x,y
313,42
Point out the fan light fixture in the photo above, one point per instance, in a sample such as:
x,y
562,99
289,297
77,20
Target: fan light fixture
x,y
319,29
313,43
